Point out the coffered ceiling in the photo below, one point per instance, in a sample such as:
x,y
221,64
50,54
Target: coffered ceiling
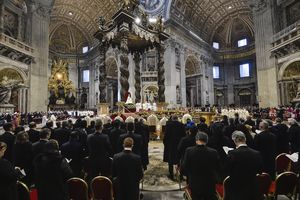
x,y
203,17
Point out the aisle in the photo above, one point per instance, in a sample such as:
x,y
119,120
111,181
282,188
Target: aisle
x,y
155,178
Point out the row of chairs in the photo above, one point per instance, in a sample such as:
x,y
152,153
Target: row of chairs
x,y
285,184
101,189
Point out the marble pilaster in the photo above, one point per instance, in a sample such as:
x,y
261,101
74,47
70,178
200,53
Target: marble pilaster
x,y
39,20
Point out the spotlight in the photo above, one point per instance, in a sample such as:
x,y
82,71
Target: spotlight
x,y
137,20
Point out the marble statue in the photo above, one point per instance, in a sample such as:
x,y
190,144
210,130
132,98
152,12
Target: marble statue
x,y
6,87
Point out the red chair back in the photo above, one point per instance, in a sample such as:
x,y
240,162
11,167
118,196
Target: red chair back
x,y
264,182
23,191
282,163
102,188
285,184
78,189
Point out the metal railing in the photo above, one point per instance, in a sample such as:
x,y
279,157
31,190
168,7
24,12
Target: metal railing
x,y
16,45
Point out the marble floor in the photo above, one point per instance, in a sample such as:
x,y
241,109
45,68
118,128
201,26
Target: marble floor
x,y
172,195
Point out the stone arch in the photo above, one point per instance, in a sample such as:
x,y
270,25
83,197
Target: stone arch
x,y
14,71
191,65
285,66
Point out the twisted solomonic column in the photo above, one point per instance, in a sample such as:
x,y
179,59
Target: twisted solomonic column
x,y
137,76
161,74
124,68
102,74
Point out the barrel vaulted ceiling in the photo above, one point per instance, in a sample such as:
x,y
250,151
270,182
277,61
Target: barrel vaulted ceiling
x,y
203,17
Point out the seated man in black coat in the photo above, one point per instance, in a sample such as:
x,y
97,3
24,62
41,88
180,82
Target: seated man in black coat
x,y
127,170
138,139
8,138
99,152
243,165
202,166
73,151
8,177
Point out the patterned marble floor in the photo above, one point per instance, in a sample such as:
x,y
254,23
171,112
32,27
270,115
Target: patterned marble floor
x,y
173,195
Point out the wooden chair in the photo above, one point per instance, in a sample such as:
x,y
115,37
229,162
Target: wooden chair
x,y
23,191
78,189
225,186
284,164
264,182
286,184
102,188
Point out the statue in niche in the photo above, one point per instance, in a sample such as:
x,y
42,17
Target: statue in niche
x,y
177,57
6,87
178,96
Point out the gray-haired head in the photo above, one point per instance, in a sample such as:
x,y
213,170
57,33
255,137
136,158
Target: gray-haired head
x,y
238,137
201,136
292,121
264,125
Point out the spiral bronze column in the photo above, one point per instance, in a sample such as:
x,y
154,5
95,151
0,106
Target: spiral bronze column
x,y
124,67
161,74
102,73
137,76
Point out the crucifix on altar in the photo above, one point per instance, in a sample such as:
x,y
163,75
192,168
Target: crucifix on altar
x,y
131,32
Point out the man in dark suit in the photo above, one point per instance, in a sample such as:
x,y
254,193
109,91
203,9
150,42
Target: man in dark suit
x,y
33,134
265,143
294,133
138,139
174,132
99,152
51,173
127,170
39,146
281,132
242,165
187,141
61,134
202,165
114,135
73,151
8,138
8,176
